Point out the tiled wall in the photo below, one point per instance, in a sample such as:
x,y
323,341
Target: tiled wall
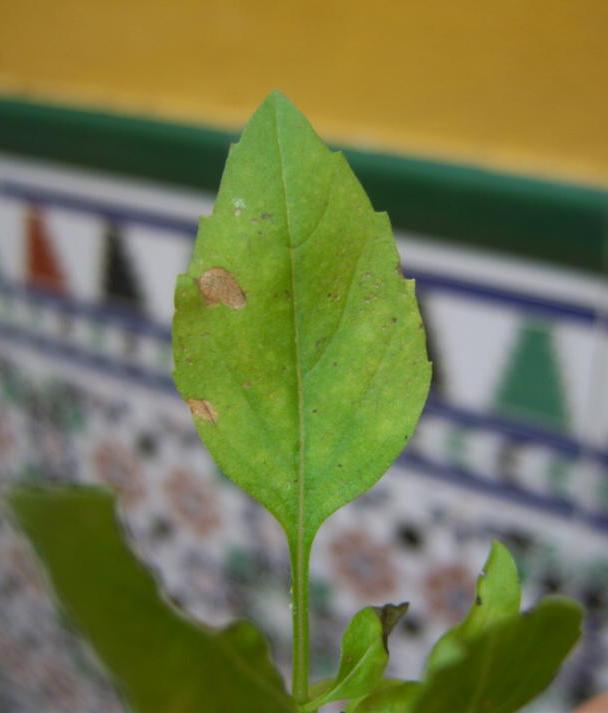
x,y
513,442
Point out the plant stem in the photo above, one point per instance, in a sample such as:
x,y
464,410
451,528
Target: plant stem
x,y
300,557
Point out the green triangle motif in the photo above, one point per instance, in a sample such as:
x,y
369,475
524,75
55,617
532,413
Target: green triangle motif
x,y
531,386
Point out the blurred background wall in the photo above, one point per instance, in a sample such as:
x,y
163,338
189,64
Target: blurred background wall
x,y
513,85
481,128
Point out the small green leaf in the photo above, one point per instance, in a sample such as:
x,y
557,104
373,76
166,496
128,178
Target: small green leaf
x,y
496,659
506,666
364,655
298,344
390,697
498,671
498,595
160,659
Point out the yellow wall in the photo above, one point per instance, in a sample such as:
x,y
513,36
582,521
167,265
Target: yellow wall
x,y
516,84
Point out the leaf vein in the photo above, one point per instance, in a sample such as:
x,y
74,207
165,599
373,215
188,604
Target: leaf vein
x,y
345,306
346,432
322,214
232,373
243,664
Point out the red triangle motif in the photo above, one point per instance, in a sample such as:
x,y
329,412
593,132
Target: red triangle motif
x,y
43,270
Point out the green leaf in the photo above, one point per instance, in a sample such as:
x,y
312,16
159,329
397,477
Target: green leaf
x,y
364,655
496,660
501,669
508,665
390,697
298,344
161,660
498,595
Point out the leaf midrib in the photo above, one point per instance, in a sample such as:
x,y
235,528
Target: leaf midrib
x,y
300,557
258,680
296,336
488,660
370,653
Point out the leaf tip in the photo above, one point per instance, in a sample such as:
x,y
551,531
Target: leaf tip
x,y
283,109
276,97
500,557
390,615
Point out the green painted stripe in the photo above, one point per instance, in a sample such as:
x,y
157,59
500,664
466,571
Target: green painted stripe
x,y
555,222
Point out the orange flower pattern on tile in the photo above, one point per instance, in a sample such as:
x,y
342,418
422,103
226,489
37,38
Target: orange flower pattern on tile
x,y
193,501
117,466
449,591
364,565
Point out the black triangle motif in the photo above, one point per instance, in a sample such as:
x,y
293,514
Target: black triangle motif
x,y
119,283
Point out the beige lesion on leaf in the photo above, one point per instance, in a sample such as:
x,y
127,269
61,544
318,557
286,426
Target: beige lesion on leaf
x,y
218,286
203,409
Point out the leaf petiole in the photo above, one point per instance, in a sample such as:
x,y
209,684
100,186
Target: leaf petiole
x,y
300,558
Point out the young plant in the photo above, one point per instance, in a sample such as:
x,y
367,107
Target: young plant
x,y
300,351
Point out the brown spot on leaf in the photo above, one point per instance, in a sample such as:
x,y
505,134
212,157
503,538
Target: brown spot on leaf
x,y
218,286
203,409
